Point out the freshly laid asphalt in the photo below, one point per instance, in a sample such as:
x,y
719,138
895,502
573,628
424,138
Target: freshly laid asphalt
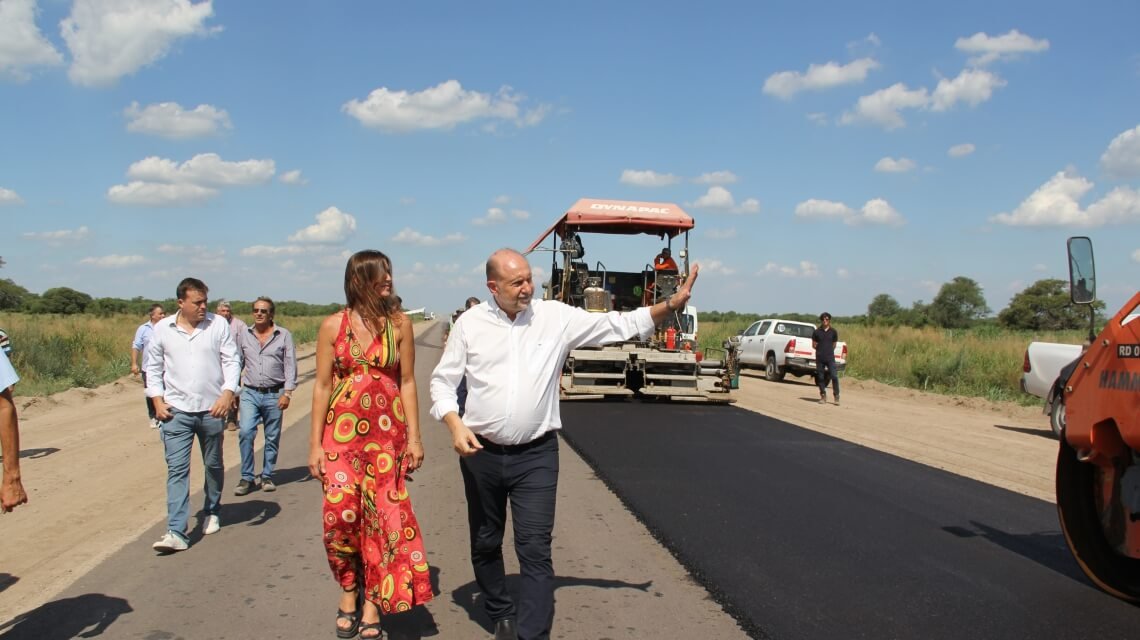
x,y
796,534
801,535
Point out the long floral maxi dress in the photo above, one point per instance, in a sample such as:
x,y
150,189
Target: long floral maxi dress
x,y
369,525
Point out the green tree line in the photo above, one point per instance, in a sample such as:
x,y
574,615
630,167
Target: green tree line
x,y
960,304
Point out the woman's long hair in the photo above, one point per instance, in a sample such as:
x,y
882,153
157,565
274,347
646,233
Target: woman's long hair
x,y
363,271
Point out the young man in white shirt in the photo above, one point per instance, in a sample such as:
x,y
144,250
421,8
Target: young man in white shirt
x,y
192,375
511,349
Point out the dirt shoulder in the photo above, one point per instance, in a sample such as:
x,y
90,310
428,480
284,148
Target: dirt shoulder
x,y
90,462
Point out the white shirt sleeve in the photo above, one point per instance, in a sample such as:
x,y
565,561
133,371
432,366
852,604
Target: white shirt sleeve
x,y
582,328
448,373
8,375
155,363
231,361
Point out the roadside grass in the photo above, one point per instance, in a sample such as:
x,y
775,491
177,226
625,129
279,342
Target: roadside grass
x,y
53,353
984,362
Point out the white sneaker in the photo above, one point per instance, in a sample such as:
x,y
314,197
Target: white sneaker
x,y
170,542
213,523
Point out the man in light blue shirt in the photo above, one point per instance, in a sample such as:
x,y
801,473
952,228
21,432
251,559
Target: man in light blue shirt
x,y
12,492
192,375
138,353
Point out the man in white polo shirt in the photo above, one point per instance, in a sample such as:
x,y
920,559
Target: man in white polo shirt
x,y
12,492
192,375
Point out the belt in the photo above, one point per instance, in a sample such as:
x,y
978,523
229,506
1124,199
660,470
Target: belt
x,y
494,447
274,389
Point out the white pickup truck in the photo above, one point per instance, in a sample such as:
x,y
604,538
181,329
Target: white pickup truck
x,y
782,347
1040,371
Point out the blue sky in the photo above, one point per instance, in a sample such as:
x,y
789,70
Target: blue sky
x,y
828,151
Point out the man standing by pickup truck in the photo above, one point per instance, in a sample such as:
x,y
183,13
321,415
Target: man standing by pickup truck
x,y
823,341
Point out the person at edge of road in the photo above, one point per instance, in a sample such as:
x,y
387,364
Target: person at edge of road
x,y
269,376
461,390
138,355
237,327
364,442
511,349
823,340
192,374
12,492
664,261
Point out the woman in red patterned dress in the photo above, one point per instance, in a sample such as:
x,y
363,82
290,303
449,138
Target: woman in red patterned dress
x,y
365,440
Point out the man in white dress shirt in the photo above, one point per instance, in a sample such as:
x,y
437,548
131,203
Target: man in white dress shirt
x,y
192,375
511,349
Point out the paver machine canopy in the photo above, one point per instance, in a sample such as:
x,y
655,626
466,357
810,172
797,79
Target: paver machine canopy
x,y
664,366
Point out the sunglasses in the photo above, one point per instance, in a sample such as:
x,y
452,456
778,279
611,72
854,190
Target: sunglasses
x,y
261,310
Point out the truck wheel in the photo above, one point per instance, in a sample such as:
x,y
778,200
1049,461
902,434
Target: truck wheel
x,y
772,371
1057,418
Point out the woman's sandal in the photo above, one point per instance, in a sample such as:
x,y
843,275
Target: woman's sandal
x,y
353,617
354,627
371,626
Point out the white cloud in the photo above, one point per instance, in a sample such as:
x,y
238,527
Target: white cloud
x,y
1040,267
875,212
21,43
60,236
410,236
333,226
1136,255
520,214
203,169
1122,158
495,215
842,273
716,177
502,200
814,209
293,177
786,84
972,86
719,198
713,266
440,107
961,150
720,234
1057,204
113,261
407,201
987,49
110,39
157,194
890,165
805,269
648,178
7,196
883,106
170,120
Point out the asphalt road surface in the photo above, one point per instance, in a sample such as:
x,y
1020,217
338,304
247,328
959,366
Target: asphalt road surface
x,y
803,536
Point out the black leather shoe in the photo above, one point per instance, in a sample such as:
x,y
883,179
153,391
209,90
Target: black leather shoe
x,y
505,629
